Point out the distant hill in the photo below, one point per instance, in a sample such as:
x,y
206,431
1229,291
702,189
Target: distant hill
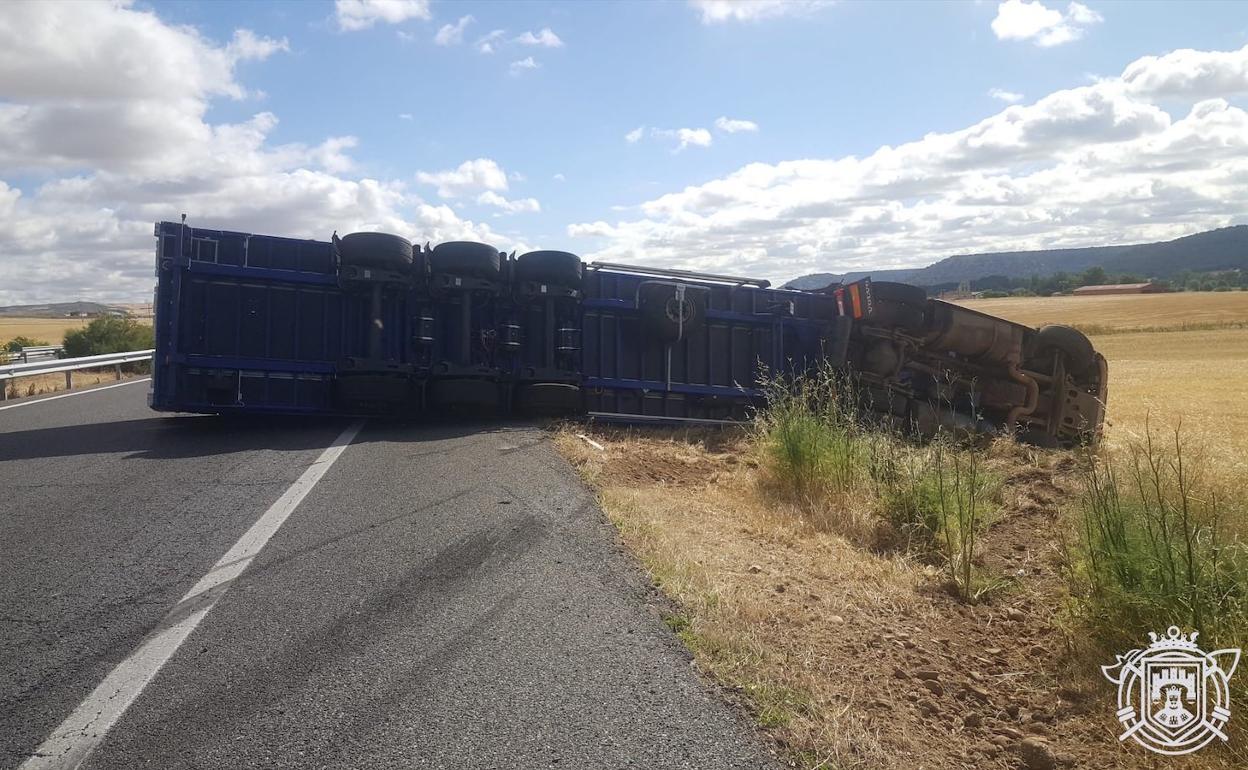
x,y
60,310
819,280
1222,249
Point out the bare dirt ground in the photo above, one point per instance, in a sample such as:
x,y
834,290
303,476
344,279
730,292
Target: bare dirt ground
x,y
850,658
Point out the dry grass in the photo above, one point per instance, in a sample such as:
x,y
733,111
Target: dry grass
x,y
39,384
821,640
758,584
1122,312
820,637
50,330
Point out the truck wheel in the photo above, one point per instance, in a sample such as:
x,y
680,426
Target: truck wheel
x,y
379,250
1071,343
551,399
898,304
554,267
465,258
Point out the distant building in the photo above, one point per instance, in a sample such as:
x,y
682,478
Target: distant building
x,y
1122,288
962,292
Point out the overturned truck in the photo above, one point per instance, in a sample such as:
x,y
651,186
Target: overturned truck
x,y
369,323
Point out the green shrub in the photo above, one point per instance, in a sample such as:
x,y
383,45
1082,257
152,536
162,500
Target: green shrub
x,y
108,335
810,435
905,490
16,344
931,499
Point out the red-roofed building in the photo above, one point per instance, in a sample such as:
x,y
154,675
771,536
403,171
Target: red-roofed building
x,y
1122,288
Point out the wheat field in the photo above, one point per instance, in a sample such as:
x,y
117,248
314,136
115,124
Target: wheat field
x,y
1198,376
1121,312
49,330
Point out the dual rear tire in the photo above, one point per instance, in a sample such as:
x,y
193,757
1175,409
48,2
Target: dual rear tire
x,y
382,251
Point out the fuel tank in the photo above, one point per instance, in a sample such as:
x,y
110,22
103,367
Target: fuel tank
x,y
974,335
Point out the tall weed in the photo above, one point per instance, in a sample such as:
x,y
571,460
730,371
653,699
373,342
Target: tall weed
x,y
1162,540
810,435
965,493
825,453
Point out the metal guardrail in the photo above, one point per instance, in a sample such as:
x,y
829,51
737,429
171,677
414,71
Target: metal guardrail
x,y
37,353
69,366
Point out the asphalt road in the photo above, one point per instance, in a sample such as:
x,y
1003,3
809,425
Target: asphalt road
x,y
445,596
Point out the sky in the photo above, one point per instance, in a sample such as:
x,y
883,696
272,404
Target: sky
x,y
750,137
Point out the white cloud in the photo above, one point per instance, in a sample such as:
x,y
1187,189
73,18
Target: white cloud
x,y
491,198
634,136
1188,73
102,85
469,177
697,137
1027,20
1009,97
405,116
720,11
521,65
452,34
246,45
545,38
107,106
1091,165
488,42
559,178
731,126
354,15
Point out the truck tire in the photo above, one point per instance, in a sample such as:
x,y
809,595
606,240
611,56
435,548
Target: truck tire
x,y
1071,343
465,258
898,305
549,399
379,250
558,268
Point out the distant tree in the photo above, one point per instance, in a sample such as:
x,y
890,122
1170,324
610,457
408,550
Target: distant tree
x,y
16,344
1094,276
1061,283
108,335
1128,278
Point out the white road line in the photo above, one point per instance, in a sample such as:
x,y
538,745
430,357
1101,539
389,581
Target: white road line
x,y
75,393
70,744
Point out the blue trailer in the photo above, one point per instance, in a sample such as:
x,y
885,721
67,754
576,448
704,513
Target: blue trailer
x,y
369,323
